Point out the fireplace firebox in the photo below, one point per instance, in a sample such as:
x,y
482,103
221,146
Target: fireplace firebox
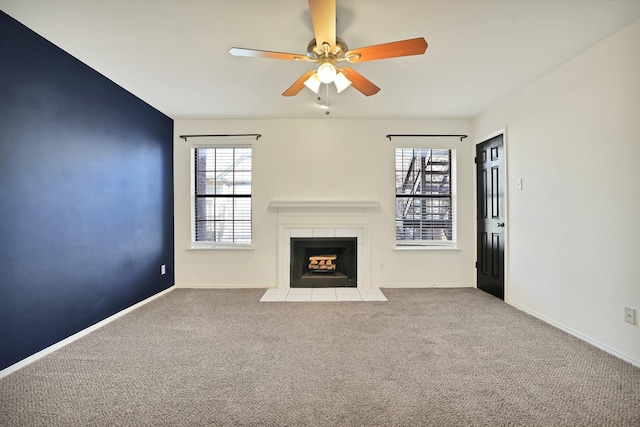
x,y
323,262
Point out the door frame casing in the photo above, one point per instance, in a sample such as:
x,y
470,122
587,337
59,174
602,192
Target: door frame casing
x,y
507,246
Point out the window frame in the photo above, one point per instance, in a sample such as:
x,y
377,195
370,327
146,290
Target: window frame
x,y
210,244
430,244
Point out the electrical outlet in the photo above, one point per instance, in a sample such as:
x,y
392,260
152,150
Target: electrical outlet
x,y
163,270
630,315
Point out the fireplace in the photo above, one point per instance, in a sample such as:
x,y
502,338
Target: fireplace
x,y
324,219
323,262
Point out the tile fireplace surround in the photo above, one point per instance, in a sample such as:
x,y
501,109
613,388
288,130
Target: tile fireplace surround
x,y
324,219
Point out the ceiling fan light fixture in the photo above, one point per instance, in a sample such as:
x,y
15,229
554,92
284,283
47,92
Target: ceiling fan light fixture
x,y
326,72
341,81
326,50
313,82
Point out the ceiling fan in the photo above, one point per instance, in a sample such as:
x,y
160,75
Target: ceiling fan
x,y
328,50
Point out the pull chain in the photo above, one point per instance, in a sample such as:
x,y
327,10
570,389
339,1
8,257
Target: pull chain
x,y
327,112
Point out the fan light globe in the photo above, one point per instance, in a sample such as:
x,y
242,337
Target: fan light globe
x,y
342,82
313,82
326,73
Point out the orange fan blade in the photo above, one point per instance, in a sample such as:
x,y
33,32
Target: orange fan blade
x,y
323,16
359,82
295,88
253,53
388,50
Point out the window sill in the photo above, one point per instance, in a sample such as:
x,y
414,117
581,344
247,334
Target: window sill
x,y
214,247
426,248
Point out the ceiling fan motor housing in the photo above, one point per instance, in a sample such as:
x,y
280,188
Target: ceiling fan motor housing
x,y
316,52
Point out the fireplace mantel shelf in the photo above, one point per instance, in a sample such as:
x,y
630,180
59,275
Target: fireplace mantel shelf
x,y
306,204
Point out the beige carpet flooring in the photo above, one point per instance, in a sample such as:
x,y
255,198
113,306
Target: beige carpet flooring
x,y
427,357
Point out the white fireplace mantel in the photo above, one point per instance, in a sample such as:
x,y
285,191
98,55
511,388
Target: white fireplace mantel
x,y
324,204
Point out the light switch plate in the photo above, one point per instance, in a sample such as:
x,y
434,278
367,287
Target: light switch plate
x,y
630,315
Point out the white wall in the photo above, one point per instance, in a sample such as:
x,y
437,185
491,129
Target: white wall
x,y
574,246
320,159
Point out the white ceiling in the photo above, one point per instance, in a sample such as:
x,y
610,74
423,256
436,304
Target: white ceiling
x,y
174,53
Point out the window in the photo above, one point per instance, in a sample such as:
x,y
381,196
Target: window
x,y
424,196
222,195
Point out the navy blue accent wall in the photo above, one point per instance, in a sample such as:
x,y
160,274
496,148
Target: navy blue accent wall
x,y
86,195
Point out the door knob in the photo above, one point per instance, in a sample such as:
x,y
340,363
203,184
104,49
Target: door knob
x,y
501,224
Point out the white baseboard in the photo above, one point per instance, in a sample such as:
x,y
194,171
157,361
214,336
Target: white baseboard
x,y
209,286
24,362
579,335
424,285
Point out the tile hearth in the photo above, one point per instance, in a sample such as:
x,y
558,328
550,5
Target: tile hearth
x,y
322,295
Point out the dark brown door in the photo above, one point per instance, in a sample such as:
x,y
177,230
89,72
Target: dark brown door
x,y
490,216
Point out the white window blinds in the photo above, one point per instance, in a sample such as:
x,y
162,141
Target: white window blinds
x,y
222,194
424,195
